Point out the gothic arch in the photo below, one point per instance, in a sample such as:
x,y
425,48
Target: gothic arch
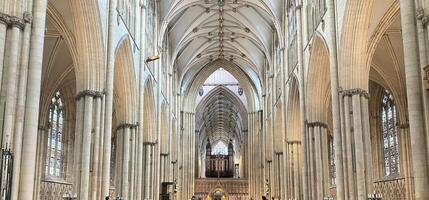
x,y
164,129
250,88
149,111
124,83
318,80
293,115
353,42
89,44
279,128
207,100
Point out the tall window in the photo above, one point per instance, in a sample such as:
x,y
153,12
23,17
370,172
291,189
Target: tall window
x,y
389,135
331,160
220,149
54,161
292,35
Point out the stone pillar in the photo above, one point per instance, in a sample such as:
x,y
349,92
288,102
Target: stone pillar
x,y
132,184
95,149
77,144
414,99
299,26
86,147
12,60
100,194
20,109
110,69
125,156
318,159
148,170
358,144
29,143
119,151
336,119
294,172
4,20
406,158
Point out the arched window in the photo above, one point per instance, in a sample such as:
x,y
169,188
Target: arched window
x,y
54,156
389,135
331,160
220,149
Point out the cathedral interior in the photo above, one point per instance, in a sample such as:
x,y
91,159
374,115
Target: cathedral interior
x,y
214,99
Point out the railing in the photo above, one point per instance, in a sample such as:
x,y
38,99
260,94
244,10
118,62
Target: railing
x,y
391,189
6,173
236,188
53,190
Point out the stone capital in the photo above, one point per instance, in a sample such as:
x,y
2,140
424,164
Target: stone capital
x,y
403,126
126,125
41,128
17,22
317,124
356,91
427,73
4,19
91,93
28,17
13,21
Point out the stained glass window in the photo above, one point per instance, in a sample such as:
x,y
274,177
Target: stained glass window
x,y
220,148
332,160
55,136
389,135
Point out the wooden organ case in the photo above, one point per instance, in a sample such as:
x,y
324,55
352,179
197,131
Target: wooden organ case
x,y
221,166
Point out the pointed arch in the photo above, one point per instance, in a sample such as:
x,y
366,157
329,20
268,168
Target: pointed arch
x,y
293,114
149,111
125,88
318,80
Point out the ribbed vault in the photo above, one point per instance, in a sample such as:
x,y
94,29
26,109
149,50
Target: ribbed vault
x,y
239,31
221,116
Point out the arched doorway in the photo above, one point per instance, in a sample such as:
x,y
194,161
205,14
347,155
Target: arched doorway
x,y
218,194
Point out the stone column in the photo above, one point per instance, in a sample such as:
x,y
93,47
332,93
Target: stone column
x,y
125,159
77,144
358,144
101,151
305,183
414,99
20,109
119,148
110,73
4,20
294,178
318,159
336,119
29,143
132,172
96,146
14,42
86,147
148,170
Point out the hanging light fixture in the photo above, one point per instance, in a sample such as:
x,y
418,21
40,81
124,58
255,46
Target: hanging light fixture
x,y
153,57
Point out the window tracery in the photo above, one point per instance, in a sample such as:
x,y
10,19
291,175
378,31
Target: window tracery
x,y
389,135
220,148
55,143
331,160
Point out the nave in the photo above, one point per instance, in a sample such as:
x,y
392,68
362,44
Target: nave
x,y
214,99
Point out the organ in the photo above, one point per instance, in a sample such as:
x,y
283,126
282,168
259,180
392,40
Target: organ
x,y
220,165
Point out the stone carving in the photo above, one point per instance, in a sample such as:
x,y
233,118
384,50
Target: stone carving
x,y
13,21
93,93
235,188
391,189
50,190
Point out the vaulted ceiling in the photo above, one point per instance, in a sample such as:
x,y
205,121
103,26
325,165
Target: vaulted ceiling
x,y
240,31
221,116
